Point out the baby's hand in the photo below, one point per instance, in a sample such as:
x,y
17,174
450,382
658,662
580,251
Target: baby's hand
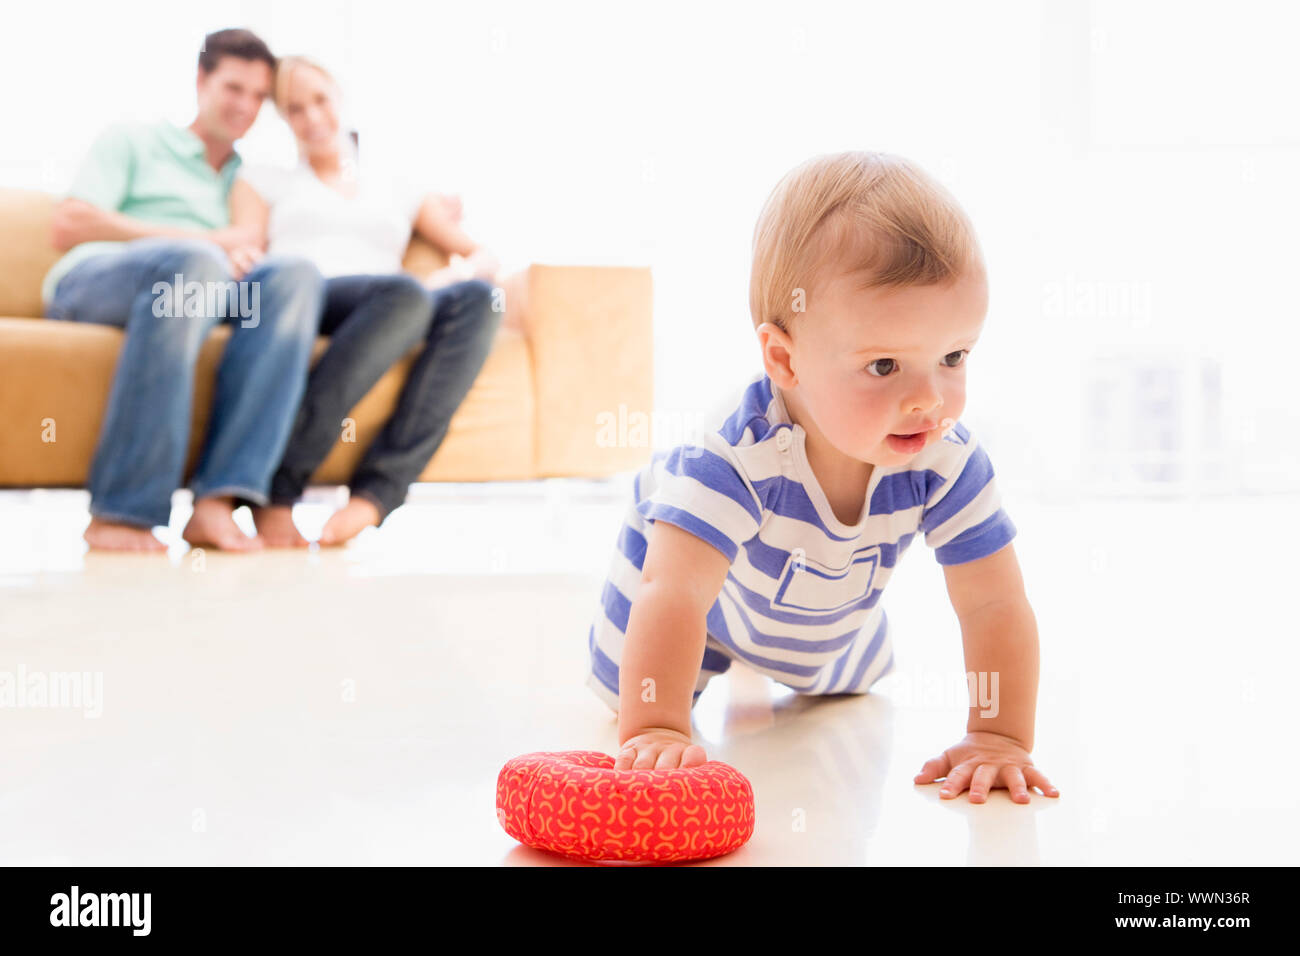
x,y
983,761
657,748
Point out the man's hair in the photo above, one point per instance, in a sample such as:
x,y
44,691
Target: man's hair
x,y
244,44
871,214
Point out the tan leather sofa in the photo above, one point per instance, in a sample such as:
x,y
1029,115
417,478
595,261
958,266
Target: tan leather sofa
x,y
575,342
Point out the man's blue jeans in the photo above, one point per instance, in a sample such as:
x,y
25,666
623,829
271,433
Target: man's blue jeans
x,y
372,321
140,459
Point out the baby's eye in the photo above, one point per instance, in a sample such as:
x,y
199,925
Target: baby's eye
x,y
951,360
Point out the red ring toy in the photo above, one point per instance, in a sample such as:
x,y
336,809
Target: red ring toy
x,y
575,803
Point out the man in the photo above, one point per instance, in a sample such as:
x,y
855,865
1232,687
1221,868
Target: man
x,y
152,252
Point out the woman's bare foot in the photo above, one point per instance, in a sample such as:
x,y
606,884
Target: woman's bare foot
x,y
104,535
213,526
349,521
276,528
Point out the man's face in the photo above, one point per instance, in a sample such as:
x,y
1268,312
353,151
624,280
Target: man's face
x,y
879,362
231,96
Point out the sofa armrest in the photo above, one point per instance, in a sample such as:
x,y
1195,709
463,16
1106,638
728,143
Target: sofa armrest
x,y
27,251
591,336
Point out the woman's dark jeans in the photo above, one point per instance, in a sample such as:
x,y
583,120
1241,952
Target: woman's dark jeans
x,y
372,321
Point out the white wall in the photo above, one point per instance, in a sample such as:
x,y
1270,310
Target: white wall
x,y
1128,165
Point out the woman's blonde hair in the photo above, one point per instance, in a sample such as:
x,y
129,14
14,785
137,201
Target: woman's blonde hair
x,y
284,70
867,213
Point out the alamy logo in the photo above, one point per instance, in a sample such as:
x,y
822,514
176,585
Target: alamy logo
x,y
218,300
102,909
53,689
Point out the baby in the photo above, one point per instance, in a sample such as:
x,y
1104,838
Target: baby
x,y
771,540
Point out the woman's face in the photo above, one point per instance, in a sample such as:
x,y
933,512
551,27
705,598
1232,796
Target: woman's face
x,y
311,108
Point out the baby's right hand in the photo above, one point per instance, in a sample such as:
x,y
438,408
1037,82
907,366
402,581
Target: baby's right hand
x,y
658,748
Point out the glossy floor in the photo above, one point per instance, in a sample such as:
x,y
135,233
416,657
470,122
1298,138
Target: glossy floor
x,y
354,706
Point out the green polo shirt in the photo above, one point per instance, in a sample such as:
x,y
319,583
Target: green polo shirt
x,y
157,172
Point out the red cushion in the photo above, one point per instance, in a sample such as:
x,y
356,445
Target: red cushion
x,y
577,804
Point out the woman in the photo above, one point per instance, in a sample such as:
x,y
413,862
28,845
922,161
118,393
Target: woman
x,y
355,227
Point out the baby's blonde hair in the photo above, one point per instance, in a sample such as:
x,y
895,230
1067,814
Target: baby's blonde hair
x,y
871,213
284,70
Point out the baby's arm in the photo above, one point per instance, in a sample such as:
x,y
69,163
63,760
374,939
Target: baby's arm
x,y
663,648
1000,637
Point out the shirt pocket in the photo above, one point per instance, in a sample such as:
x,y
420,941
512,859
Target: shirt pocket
x,y
808,585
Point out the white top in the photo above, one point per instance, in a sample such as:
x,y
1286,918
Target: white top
x,y
363,235
801,602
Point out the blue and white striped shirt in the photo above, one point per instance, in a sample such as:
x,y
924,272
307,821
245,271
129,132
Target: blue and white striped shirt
x,y
801,601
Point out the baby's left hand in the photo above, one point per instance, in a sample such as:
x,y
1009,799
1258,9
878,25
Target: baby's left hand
x,y
983,761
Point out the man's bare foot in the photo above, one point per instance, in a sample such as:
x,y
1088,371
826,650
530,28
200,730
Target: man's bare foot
x,y
276,528
349,521
213,526
104,535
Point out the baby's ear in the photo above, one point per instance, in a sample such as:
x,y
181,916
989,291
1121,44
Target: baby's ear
x,y
777,348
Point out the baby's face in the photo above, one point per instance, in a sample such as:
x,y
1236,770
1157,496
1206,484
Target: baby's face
x,y
886,362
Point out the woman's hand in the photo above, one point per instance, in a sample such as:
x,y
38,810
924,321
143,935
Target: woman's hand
x,y
231,238
442,277
452,207
983,761
480,264
658,748
483,264
242,259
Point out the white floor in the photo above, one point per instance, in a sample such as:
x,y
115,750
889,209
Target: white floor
x,y
355,706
